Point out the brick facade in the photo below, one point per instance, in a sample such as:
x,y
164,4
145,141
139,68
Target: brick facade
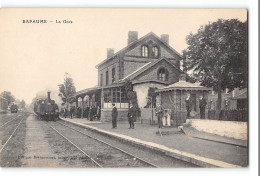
x,y
152,73
130,58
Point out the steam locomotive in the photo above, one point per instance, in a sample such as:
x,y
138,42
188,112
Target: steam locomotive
x,y
46,109
14,108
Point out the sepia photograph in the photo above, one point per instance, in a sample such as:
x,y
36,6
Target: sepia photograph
x,y
124,88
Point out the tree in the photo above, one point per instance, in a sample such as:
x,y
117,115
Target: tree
x,y
22,104
66,89
151,97
8,95
217,54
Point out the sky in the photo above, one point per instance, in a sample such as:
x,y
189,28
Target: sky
x,y
35,57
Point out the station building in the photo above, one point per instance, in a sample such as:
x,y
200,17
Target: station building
x,y
3,104
146,62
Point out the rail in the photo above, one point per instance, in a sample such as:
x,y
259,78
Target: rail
x,y
94,161
8,122
11,135
134,156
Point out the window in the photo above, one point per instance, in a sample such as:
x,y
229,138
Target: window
x,y
155,51
101,80
144,51
115,95
107,96
106,78
163,74
113,74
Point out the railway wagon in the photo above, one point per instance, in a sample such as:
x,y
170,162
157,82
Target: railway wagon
x,y
46,109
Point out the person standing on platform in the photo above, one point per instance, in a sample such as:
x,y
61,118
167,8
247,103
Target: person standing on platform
x,y
98,113
131,116
65,112
159,113
202,106
188,101
114,116
72,109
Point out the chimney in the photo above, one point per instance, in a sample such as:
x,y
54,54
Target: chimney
x,y
132,37
48,95
165,38
110,52
182,77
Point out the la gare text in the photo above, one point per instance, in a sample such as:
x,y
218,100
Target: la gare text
x,y
46,21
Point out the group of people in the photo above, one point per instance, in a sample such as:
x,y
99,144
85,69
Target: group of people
x,y
131,116
91,113
202,106
164,118
94,113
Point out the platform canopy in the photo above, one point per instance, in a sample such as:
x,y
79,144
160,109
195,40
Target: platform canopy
x,y
183,85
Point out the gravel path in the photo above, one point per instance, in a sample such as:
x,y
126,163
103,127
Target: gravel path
x,y
38,152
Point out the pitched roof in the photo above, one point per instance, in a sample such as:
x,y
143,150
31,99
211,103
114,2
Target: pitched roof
x,y
86,90
183,85
146,67
134,43
136,72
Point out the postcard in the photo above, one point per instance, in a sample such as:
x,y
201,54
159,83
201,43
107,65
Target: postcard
x,y
123,88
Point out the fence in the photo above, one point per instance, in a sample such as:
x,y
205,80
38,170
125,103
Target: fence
x,y
148,115
230,115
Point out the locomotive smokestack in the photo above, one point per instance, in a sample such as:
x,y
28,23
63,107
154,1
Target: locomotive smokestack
x,y
48,95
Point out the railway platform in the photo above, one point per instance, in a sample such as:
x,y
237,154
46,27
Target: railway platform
x,y
208,151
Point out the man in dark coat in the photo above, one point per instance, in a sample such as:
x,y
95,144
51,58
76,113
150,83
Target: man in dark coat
x,y
159,113
98,112
188,101
72,110
202,106
114,116
90,113
87,113
65,112
131,116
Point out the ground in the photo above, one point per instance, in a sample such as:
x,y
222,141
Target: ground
x,y
209,149
35,144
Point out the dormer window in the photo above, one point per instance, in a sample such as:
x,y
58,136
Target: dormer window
x,y
163,74
144,51
155,51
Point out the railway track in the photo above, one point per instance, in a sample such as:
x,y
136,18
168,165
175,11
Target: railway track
x,y
6,142
94,161
8,122
101,153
